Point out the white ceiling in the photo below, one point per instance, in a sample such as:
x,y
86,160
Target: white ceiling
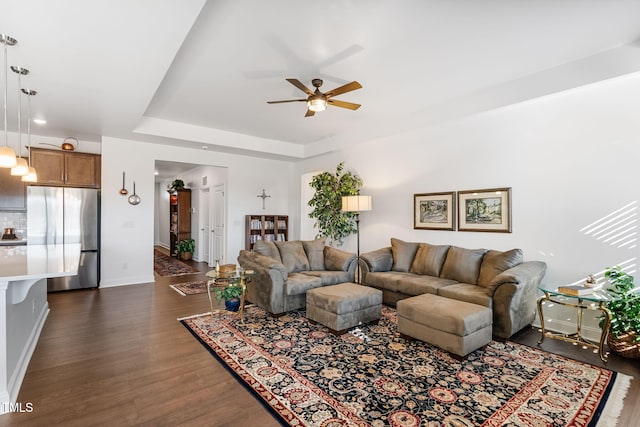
x,y
195,73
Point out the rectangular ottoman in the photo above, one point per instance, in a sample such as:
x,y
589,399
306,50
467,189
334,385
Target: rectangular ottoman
x,y
455,326
343,306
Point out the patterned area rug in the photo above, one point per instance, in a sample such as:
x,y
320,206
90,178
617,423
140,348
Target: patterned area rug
x,y
371,377
190,288
165,265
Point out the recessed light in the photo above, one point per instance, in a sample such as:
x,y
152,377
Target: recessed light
x,y
40,121
156,173
204,147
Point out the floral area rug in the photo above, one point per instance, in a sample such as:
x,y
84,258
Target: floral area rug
x,y
372,377
165,265
190,288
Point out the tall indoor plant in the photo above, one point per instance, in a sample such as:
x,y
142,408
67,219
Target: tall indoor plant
x,y
329,188
624,331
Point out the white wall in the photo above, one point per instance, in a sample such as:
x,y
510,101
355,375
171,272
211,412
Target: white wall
x,y
128,231
570,158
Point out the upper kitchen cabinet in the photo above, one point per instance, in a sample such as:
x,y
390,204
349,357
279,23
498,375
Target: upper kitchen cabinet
x,y
66,168
13,192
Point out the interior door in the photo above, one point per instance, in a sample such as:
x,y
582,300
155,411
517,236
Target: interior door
x,y
218,222
205,227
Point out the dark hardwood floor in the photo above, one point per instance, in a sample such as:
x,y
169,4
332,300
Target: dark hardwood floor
x,y
118,357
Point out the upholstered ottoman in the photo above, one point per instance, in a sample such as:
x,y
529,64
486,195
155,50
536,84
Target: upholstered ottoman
x,y
343,306
455,326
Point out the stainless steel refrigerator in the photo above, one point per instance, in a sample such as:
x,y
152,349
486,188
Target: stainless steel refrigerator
x,y
57,215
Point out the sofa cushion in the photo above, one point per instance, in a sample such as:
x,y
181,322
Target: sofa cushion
x,y
267,249
403,254
463,265
293,256
331,277
416,284
300,283
386,280
315,253
429,259
495,262
468,293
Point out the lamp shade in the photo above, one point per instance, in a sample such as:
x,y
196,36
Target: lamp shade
x,y
7,157
356,203
32,176
21,168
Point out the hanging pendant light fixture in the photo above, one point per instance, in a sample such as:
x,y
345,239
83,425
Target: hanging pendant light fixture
x,y
21,168
7,155
31,176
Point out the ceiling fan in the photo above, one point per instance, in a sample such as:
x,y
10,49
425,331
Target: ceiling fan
x,y
318,101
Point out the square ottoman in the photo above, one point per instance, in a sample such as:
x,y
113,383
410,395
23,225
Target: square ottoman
x,y
455,326
343,306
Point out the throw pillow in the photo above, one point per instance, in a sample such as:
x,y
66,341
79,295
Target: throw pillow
x,y
495,262
403,254
293,256
267,249
463,265
315,253
429,259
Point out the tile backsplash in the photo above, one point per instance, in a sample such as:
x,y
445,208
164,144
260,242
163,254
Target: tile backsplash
x,y
17,220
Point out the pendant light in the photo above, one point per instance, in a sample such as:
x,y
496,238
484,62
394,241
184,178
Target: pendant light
x,y
31,176
7,155
21,168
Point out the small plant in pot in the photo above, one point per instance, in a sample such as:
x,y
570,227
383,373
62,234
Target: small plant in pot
x,y
186,248
231,295
176,184
624,331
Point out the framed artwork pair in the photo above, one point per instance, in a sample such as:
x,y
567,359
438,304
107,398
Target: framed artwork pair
x,y
477,210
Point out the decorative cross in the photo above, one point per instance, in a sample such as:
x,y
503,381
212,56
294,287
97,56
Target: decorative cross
x,y
263,196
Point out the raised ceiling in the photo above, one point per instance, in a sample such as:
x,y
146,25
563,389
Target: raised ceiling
x,y
194,73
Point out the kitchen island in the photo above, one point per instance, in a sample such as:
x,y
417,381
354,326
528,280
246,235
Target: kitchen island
x,y
24,308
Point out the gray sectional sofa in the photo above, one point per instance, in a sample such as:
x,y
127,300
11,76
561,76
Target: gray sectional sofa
x,y
501,281
285,271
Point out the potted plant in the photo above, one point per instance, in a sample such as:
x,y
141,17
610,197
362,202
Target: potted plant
x,y
624,330
186,248
326,202
230,294
176,184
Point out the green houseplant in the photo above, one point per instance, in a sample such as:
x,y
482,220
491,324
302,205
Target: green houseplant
x,y
329,188
230,294
624,331
186,248
176,184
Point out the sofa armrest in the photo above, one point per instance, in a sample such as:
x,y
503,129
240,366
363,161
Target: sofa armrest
x,y
339,260
378,260
267,287
514,293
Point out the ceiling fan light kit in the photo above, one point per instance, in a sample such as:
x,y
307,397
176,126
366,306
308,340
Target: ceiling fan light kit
x,y
318,101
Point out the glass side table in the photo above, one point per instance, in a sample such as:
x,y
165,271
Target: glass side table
x,y
593,301
219,280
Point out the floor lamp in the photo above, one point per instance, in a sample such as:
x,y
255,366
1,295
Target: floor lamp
x,y
356,204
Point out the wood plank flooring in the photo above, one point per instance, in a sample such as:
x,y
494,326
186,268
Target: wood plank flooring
x,y
118,357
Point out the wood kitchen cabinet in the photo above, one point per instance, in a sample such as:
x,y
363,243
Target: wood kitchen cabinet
x,y
63,168
13,192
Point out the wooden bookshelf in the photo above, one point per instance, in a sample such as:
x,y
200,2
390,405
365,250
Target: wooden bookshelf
x,y
270,228
180,218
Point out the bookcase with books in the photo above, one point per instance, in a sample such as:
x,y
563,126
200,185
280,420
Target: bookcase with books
x,y
270,228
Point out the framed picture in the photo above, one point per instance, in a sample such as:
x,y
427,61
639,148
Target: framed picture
x,y
485,210
434,211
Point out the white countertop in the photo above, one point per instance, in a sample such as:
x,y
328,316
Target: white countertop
x,y
38,261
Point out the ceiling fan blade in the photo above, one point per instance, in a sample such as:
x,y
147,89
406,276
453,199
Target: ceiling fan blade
x,y
297,83
309,113
343,89
288,100
343,104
